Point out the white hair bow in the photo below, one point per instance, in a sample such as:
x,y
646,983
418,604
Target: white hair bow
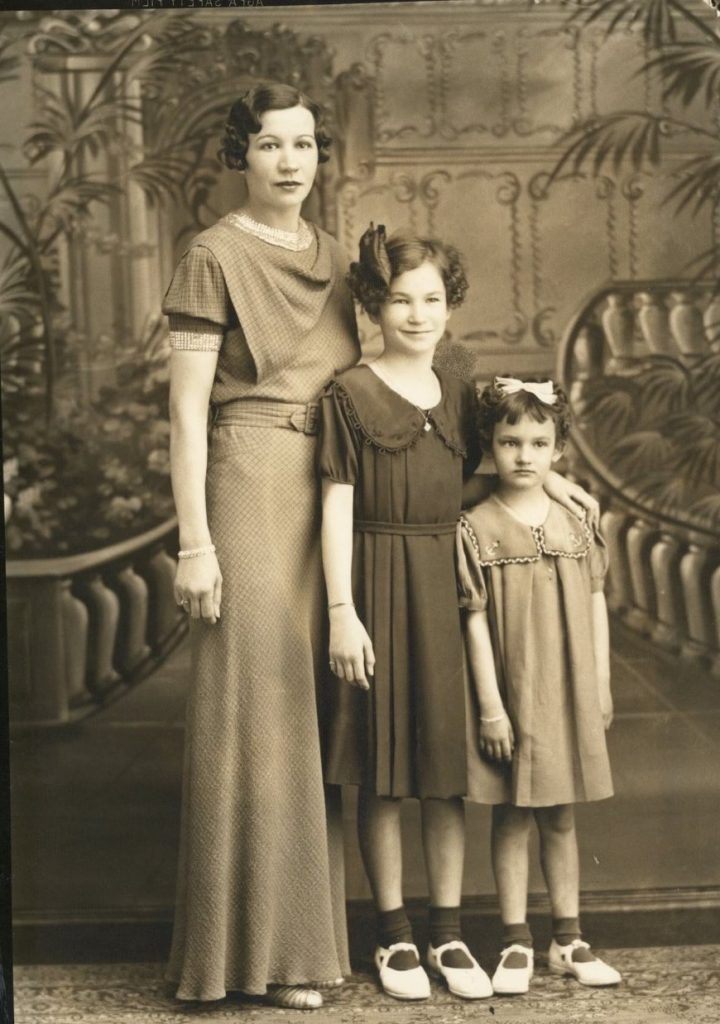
x,y
544,390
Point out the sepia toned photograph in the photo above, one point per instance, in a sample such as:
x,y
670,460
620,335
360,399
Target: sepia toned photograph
x,y
360,370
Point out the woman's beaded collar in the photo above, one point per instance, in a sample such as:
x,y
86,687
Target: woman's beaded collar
x,y
295,241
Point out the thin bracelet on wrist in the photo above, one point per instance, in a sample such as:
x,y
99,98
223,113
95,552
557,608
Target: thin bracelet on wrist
x,y
497,718
207,549
341,604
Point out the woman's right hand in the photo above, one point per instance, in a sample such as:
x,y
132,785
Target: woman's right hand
x,y
351,651
198,586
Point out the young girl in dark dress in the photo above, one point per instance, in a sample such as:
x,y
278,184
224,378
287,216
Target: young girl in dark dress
x,y
395,446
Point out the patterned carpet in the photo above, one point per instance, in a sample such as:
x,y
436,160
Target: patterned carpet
x,y
663,985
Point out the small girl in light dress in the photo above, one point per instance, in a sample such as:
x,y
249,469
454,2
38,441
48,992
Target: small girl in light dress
x,y
398,447
530,576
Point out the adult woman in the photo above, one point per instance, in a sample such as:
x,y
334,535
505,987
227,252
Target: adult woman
x,y
260,319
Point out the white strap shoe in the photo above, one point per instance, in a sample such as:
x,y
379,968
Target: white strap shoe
x,y
585,966
467,982
411,984
513,973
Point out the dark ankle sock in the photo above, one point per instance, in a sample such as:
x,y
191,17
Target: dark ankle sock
x,y
394,926
566,929
518,934
445,927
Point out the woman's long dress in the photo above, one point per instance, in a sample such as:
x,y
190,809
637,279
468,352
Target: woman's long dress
x,y
260,884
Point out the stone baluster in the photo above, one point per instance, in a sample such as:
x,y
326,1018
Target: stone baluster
x,y
639,541
74,616
619,327
653,320
715,599
694,573
132,648
711,323
165,614
104,613
613,525
670,626
686,326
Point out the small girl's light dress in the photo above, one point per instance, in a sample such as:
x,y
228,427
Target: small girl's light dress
x,y
536,583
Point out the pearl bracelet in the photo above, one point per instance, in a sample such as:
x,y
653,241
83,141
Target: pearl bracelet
x,y
497,718
196,552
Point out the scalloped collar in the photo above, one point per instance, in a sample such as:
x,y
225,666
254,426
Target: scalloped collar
x,y
391,422
498,537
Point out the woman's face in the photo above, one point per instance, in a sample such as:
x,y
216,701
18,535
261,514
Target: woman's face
x,y
281,160
414,315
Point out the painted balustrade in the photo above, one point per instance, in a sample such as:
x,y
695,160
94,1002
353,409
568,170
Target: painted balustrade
x,y
664,578
81,627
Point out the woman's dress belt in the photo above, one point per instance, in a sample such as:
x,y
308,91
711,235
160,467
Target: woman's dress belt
x,y
404,529
259,412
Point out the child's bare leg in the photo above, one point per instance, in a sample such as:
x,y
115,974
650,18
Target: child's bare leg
x,y
559,858
568,954
510,834
443,835
381,847
510,859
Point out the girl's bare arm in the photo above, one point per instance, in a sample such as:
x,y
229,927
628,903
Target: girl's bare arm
x,y
351,652
601,646
495,729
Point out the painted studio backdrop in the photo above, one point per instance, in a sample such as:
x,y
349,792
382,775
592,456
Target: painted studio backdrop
x,y
572,157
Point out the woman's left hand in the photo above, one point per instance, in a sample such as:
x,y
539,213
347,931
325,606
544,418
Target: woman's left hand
x,y
573,497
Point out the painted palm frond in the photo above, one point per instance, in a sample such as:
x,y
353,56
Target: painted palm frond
x,y
9,61
701,462
689,429
664,491
688,70
21,358
698,184
654,17
607,142
161,176
70,200
609,413
706,381
665,387
707,509
641,453
18,295
68,127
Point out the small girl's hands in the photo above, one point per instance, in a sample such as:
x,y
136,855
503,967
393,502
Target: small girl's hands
x,y
198,587
352,657
497,740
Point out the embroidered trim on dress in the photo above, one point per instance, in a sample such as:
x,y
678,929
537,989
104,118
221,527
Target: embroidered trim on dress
x,y
195,342
295,241
538,534
372,441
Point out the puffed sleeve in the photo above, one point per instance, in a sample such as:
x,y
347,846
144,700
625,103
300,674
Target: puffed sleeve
x,y
598,557
338,442
472,593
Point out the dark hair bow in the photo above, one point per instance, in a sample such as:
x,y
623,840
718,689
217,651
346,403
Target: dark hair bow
x,y
374,255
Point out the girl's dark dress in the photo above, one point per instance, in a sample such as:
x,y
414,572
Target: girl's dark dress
x,y
406,735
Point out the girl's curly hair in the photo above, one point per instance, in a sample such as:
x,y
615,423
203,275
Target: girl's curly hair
x,y
245,119
496,405
383,259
